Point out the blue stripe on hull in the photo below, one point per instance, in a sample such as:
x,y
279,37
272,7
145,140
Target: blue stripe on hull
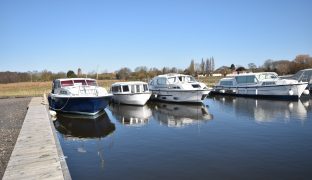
x,y
82,105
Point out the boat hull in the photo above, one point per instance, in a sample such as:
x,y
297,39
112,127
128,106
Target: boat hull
x,y
132,99
188,96
79,105
290,91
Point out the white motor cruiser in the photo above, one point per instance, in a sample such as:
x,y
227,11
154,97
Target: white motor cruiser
x,y
178,88
132,92
263,84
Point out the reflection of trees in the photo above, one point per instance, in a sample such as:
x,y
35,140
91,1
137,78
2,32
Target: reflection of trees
x,y
178,115
263,110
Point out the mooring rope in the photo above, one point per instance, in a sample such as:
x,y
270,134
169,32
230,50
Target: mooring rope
x,y
62,107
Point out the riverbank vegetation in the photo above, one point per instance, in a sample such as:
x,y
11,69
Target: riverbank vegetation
x,y
35,83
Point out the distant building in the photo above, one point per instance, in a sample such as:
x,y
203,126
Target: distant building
x,y
79,72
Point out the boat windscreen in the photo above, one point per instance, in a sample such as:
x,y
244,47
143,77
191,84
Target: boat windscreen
x,y
82,82
67,83
190,79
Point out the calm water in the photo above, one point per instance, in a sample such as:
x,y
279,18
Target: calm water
x,y
226,138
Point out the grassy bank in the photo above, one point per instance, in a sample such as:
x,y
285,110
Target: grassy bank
x,y
30,89
24,89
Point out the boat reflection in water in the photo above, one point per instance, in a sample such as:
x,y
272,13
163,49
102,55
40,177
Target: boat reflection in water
x,y
131,115
179,115
264,110
79,129
307,102
79,126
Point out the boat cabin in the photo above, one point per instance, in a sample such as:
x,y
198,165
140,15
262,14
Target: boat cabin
x,y
264,79
60,86
175,81
129,87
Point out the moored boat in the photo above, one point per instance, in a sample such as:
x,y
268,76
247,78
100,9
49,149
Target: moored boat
x,y
132,93
304,75
178,88
262,84
78,95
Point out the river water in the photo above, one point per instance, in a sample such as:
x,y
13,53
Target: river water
x,y
225,138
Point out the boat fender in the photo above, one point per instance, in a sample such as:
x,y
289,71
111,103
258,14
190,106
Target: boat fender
x,y
306,92
290,92
222,91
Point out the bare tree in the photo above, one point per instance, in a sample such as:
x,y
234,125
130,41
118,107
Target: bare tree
x,y
191,68
202,66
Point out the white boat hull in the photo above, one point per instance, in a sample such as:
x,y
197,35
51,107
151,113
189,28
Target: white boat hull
x,y
292,91
132,98
191,96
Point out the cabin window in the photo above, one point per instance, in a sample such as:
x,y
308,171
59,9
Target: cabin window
x,y
226,83
267,76
67,83
309,74
298,75
138,88
80,82
161,81
145,87
171,80
306,77
181,78
91,83
246,79
151,82
132,88
125,88
116,89
56,85
190,79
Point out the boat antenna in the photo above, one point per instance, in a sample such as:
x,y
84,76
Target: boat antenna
x,y
97,72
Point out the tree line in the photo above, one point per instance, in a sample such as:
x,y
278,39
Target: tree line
x,y
206,67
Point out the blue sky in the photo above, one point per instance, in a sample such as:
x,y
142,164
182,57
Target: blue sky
x,y
60,35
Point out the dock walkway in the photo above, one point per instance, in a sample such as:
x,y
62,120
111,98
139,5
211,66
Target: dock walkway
x,y
36,154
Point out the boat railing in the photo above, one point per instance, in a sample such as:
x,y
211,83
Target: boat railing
x,y
85,90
